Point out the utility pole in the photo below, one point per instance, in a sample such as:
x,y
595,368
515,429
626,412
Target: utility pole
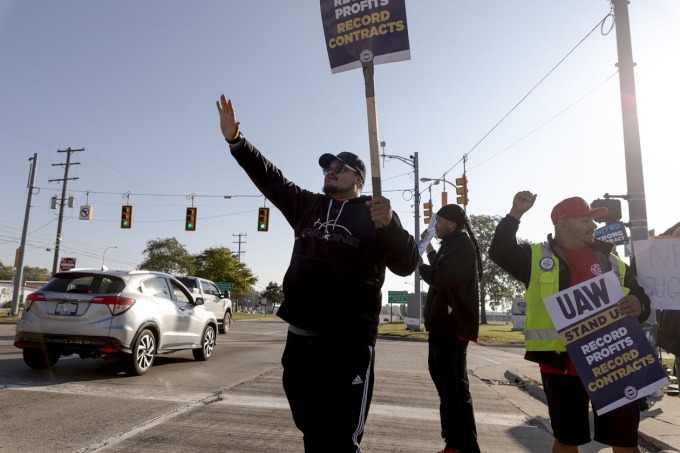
x,y
637,207
19,275
416,232
239,242
63,201
413,162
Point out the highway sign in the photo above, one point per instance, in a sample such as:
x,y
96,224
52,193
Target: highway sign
x,y
397,297
67,264
225,286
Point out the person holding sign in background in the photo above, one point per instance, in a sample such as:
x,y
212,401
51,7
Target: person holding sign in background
x,y
452,321
654,273
337,266
668,336
570,257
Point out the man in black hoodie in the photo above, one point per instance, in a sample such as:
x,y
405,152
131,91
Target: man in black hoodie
x,y
339,260
452,321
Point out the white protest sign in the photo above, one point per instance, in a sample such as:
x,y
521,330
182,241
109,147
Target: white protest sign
x,y
429,234
658,271
612,356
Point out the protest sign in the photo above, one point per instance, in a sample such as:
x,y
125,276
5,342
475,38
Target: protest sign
x,y
657,262
360,34
427,236
614,233
612,356
353,27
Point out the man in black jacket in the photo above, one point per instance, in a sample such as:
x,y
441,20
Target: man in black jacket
x,y
339,260
452,321
571,257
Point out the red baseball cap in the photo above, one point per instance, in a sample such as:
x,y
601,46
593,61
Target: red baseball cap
x,y
575,207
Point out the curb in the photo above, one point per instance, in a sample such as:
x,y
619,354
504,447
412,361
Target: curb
x,y
531,386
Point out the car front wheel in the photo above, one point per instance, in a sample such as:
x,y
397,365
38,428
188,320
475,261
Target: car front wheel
x,y
207,344
143,353
40,359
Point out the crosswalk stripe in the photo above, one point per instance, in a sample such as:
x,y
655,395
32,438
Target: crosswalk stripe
x,y
383,410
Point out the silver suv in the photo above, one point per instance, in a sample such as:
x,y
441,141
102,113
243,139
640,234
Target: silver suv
x,y
113,314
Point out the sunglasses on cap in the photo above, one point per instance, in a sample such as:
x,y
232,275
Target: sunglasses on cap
x,y
337,169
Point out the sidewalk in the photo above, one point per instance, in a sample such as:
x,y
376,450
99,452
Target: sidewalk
x,y
659,425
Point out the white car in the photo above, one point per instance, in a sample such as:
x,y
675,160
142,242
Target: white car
x,y
213,299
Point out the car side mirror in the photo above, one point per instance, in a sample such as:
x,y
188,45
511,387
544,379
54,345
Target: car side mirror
x,y
199,301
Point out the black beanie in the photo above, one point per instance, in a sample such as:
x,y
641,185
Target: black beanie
x,y
452,212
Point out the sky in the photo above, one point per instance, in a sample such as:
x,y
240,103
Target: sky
x,y
527,91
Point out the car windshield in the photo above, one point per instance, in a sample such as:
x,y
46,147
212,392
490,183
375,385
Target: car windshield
x,y
85,284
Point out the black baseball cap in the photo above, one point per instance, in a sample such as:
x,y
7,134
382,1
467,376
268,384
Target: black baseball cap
x,y
347,158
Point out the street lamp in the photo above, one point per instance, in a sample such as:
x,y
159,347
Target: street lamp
x,y
435,181
106,250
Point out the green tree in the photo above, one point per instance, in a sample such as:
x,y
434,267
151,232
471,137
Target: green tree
x,y
273,293
6,272
30,273
167,255
39,274
220,265
497,287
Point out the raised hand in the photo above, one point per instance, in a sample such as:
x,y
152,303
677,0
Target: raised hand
x,y
228,124
522,202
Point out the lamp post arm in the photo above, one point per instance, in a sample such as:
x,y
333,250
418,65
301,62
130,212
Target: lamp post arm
x,y
106,250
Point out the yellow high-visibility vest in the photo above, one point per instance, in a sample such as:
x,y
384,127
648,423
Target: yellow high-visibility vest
x,y
540,333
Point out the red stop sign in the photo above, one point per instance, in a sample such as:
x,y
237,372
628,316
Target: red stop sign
x,y
67,264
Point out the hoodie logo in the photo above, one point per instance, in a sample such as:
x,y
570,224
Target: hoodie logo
x,y
332,224
320,233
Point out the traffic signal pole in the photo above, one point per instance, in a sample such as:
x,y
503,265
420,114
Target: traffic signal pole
x,y
413,162
637,207
416,213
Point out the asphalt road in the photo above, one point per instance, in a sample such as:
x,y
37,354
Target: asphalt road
x,y
235,403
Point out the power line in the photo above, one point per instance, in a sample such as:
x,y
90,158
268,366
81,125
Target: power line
x,y
600,25
188,196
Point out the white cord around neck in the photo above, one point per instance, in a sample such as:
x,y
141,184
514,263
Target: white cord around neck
x,y
328,216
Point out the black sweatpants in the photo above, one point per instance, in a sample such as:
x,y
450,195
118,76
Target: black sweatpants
x,y
328,380
447,362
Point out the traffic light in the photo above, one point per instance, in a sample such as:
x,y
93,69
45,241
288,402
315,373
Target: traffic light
x,y
445,199
263,219
190,224
126,216
427,211
613,209
462,190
